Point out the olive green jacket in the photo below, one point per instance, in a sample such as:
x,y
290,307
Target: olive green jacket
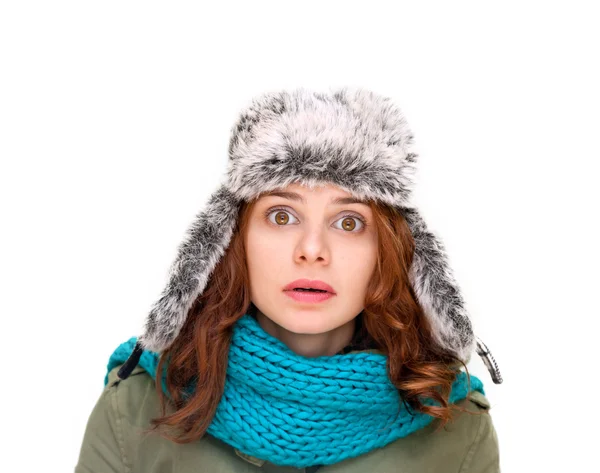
x,y
113,443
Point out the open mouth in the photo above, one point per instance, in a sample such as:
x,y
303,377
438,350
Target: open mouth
x,y
301,289
304,295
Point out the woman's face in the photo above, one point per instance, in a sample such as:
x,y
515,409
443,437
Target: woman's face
x,y
306,235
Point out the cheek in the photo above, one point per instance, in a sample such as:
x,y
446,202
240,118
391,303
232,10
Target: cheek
x,y
263,255
357,266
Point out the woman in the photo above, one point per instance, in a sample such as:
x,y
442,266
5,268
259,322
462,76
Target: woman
x,y
310,321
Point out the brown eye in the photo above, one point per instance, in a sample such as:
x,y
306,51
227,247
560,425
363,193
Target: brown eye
x,y
349,223
282,217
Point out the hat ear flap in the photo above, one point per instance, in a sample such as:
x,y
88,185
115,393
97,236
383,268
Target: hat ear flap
x,y
436,289
204,244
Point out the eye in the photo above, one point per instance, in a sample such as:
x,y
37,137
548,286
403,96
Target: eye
x,y
348,220
281,216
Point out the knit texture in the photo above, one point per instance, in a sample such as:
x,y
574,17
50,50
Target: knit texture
x,y
293,410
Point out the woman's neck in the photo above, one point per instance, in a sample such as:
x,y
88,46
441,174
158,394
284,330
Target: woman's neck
x,y
310,345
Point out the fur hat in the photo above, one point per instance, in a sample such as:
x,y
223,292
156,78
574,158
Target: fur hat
x,y
350,137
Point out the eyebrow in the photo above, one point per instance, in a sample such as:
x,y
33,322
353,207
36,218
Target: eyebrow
x,y
298,198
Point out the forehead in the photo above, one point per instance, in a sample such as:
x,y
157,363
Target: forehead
x,y
298,193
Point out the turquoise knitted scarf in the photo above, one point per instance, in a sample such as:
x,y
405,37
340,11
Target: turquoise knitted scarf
x,y
298,411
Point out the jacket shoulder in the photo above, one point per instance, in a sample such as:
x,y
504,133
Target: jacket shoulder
x,y
137,401
118,437
483,455
105,441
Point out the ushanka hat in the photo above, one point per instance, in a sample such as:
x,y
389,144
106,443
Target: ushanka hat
x,y
349,137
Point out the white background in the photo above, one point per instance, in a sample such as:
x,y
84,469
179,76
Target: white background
x,y
114,125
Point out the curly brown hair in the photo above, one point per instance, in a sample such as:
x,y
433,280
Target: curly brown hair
x,y
392,321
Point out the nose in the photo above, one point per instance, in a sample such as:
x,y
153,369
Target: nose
x,y
312,246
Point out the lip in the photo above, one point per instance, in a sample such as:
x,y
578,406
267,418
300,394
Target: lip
x,y
308,283
309,297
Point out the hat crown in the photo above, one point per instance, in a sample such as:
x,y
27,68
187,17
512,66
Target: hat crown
x,y
349,136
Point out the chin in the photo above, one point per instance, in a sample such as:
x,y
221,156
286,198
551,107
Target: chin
x,y
306,322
